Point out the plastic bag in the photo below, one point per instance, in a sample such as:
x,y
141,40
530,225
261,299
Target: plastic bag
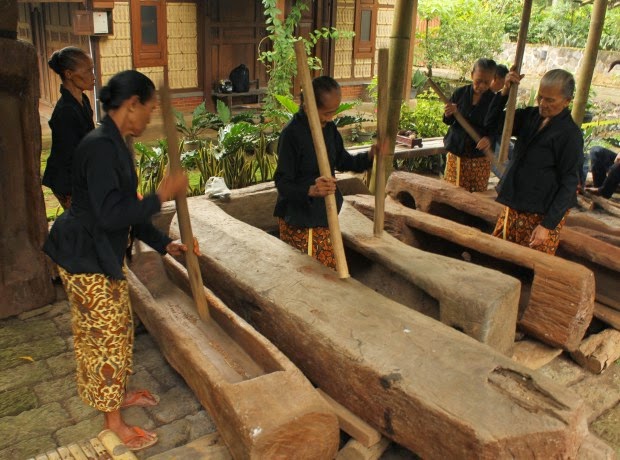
x,y
216,188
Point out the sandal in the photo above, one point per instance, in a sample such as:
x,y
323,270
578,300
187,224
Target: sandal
x,y
141,439
133,398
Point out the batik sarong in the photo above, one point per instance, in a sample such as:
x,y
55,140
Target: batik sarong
x,y
321,248
472,174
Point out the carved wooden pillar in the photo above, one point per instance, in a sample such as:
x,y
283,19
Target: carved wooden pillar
x,y
25,281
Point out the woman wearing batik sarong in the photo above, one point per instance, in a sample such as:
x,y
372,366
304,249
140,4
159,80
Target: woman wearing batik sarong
x,y
466,165
301,188
89,242
540,182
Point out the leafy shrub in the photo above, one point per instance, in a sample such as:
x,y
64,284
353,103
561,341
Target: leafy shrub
x,y
150,165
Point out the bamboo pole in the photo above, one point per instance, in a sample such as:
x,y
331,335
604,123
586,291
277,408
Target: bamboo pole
x,y
586,70
321,154
469,129
409,69
399,59
512,95
185,225
381,155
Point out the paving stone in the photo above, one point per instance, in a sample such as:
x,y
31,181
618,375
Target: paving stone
x,y
16,332
41,421
24,375
143,380
28,448
62,364
37,350
607,427
174,405
138,416
59,389
172,435
167,376
144,342
563,371
16,401
47,312
150,358
600,391
78,409
200,424
63,323
86,429
70,344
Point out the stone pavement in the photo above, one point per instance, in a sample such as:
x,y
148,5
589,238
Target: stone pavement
x,y
39,405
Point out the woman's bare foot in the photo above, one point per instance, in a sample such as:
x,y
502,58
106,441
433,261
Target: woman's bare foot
x,y
135,438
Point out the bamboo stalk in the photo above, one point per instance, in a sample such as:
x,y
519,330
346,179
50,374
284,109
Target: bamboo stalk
x,y
321,154
469,129
511,106
185,225
586,69
381,155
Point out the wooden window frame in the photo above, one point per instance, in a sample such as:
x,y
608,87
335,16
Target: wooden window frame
x,y
148,55
365,49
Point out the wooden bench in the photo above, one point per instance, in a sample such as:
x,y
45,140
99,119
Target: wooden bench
x,y
255,91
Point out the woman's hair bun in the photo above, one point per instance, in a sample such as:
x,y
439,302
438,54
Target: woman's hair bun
x,y
105,95
54,62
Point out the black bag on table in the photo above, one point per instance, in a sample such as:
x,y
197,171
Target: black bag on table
x,y
240,77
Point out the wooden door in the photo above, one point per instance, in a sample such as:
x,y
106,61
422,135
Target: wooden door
x,y
233,31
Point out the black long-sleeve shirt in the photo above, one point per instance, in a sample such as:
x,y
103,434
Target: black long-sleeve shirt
x,y
71,120
298,169
456,140
542,175
91,237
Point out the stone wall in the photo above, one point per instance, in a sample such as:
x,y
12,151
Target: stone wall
x,y
538,59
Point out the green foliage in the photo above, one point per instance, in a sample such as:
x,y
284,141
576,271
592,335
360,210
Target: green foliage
x,y
150,166
469,30
418,80
290,108
280,59
202,120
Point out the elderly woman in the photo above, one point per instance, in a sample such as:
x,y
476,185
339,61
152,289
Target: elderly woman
x,y
540,183
89,241
301,188
71,119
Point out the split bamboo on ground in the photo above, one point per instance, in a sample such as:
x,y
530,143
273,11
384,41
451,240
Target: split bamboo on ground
x,y
185,224
321,154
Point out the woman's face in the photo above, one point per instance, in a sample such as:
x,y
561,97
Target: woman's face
x,y
330,101
482,80
140,114
83,76
551,100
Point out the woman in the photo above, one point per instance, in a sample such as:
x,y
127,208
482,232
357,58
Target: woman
x,y
301,188
89,241
466,165
71,120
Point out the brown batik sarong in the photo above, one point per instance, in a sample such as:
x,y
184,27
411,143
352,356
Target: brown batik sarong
x,y
321,248
472,174
102,326
518,226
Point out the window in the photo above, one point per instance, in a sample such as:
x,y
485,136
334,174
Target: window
x,y
365,28
148,32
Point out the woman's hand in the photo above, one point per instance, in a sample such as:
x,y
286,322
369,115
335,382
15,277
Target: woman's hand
x,y
483,144
322,187
539,235
449,109
171,186
513,78
176,249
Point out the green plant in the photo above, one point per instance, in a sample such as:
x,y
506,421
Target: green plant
x,y
150,165
202,120
418,80
280,59
290,108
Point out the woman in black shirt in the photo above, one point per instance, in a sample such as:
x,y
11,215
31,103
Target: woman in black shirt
x,y
88,242
71,120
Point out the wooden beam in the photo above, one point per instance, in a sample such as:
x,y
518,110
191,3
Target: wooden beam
x,y
235,372
355,450
417,390
607,315
599,351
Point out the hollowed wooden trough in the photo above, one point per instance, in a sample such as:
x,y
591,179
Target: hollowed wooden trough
x,y
263,406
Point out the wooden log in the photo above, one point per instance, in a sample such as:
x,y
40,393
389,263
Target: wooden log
x,y
321,154
479,302
533,354
598,351
595,449
605,204
607,315
351,424
355,450
187,236
582,220
557,295
445,200
430,384
235,373
602,236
